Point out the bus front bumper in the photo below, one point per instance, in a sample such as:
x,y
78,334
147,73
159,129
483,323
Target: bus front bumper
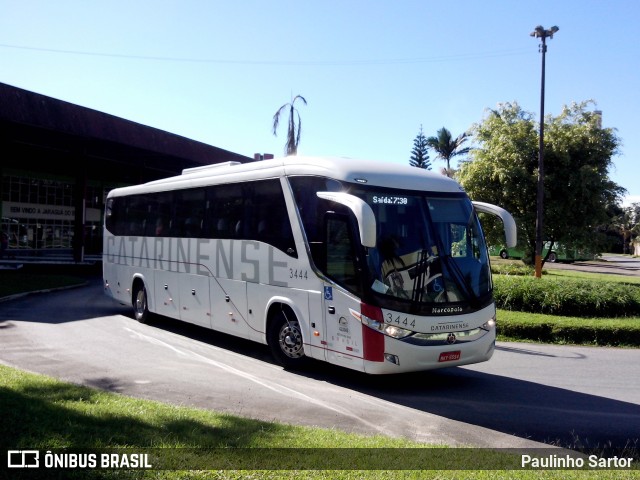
x,y
402,357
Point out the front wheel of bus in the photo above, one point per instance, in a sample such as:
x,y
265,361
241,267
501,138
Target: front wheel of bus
x,y
285,340
140,307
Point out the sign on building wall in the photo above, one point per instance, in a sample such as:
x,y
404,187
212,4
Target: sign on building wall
x,y
45,212
37,211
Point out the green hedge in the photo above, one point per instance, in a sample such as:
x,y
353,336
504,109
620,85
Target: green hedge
x,y
563,330
566,296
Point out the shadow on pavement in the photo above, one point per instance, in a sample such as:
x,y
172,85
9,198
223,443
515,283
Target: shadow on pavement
x,y
524,409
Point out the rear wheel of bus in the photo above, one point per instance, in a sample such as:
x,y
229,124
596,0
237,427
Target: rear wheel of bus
x,y
284,337
140,304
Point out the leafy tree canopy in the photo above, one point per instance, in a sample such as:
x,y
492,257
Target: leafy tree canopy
x,y
578,153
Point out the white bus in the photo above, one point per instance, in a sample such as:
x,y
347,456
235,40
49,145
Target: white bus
x,y
381,268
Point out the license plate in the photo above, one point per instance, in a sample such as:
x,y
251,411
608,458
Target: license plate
x,y
449,356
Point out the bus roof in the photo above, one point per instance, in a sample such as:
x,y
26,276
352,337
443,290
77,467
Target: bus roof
x,y
367,172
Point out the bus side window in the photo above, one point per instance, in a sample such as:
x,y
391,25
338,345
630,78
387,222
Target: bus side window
x,y
225,210
188,212
136,213
111,216
160,205
340,255
192,227
250,211
270,218
220,228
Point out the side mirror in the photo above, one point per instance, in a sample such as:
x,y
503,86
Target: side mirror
x,y
362,211
510,229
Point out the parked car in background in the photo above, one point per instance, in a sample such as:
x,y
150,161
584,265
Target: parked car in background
x,y
559,253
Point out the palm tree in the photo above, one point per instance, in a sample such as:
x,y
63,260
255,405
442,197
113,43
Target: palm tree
x,y
446,147
293,132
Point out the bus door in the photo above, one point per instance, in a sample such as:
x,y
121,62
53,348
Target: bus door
x,y
317,326
343,330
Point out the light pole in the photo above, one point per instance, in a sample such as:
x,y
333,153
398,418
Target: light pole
x,y
542,34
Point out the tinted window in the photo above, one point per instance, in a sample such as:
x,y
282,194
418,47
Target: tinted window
x,y
248,211
251,211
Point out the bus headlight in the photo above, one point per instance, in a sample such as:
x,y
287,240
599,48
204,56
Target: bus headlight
x,y
380,326
396,332
489,325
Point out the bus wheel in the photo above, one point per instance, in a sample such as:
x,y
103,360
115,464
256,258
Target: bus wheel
x,y
140,307
285,339
553,258
504,254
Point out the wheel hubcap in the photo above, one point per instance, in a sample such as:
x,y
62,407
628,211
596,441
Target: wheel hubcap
x,y
291,340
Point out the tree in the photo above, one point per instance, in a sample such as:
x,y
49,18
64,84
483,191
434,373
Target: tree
x,y
447,147
627,224
578,154
420,153
294,128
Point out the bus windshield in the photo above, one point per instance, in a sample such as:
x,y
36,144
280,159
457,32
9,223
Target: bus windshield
x,y
430,248
430,255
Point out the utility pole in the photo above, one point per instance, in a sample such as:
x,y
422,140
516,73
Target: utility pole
x,y
542,34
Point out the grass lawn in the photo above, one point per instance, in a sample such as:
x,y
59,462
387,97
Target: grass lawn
x,y
605,277
42,413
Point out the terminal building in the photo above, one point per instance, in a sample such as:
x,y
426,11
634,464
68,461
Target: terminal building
x,y
59,160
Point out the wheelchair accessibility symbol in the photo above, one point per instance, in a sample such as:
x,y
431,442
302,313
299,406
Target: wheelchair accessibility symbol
x,y
328,293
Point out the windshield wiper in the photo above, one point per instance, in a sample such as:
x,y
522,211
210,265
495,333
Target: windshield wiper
x,y
456,273
461,282
420,272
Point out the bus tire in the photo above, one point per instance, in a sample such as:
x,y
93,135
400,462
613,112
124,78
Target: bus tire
x,y
284,338
553,258
504,254
140,303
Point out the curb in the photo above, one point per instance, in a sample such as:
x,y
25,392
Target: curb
x,y
46,290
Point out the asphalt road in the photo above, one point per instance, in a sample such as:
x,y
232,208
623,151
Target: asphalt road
x,y
527,393
611,264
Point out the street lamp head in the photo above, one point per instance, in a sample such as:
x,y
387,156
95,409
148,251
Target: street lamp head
x,y
551,31
540,32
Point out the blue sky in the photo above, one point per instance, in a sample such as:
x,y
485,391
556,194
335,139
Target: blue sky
x,y
371,71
